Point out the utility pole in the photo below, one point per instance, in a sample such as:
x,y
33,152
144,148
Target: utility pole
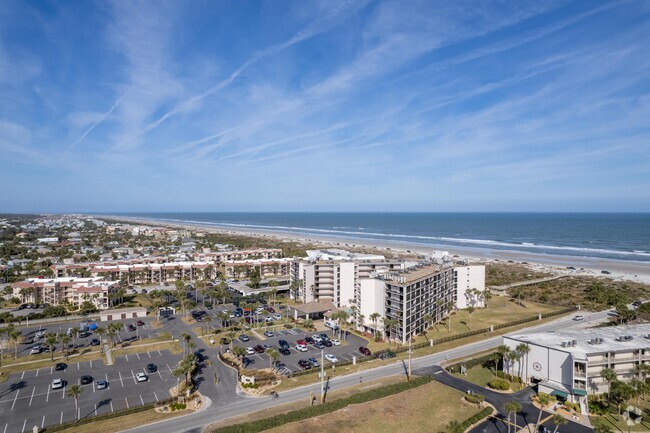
x,y
322,377
410,356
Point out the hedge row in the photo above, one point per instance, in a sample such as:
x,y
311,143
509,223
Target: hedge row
x,y
476,418
309,412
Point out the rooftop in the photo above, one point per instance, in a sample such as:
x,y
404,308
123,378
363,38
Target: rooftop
x,y
413,274
583,342
337,254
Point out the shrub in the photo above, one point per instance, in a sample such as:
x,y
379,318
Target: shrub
x,y
250,385
177,406
574,406
474,398
499,384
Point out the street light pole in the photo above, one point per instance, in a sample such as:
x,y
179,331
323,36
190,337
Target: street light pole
x,y
410,356
322,377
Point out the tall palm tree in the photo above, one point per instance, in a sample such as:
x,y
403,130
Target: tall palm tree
x,y
65,342
3,331
558,420
15,336
609,375
503,352
186,338
374,317
274,356
75,391
450,307
512,407
523,349
50,340
544,400
100,332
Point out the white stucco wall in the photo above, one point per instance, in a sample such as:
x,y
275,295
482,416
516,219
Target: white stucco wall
x,y
373,294
469,277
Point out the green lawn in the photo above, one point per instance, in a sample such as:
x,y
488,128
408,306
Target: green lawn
x,y
480,375
621,426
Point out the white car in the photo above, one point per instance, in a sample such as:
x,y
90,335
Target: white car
x,y
250,351
301,348
331,358
335,342
57,383
578,317
141,377
277,316
40,334
318,338
35,350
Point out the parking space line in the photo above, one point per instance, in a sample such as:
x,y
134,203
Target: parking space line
x,y
168,368
22,376
78,366
161,378
95,409
48,394
112,406
91,363
127,403
63,392
141,400
5,430
32,397
159,353
43,422
127,358
37,372
132,376
93,386
15,398
24,424
61,420
154,394
149,353
121,381
51,370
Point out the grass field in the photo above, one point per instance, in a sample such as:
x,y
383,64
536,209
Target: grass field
x,y
497,274
480,376
172,346
123,422
410,411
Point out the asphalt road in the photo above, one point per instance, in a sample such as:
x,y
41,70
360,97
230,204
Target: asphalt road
x,y
230,404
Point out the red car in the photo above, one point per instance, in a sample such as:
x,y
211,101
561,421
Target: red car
x,y
140,323
258,349
302,342
364,350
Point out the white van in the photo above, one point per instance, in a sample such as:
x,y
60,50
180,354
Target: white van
x,y
332,325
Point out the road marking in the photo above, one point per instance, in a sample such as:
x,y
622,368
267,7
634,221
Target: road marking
x,y
63,392
6,425
61,420
37,372
93,386
141,400
133,376
51,370
138,355
95,409
15,398
91,363
32,397
168,368
121,381
149,353
437,372
43,422
78,366
48,394
22,376
111,405
24,424
161,378
159,353
154,394
127,403
127,358
78,412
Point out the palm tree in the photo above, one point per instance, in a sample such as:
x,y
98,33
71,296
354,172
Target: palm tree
x,y
65,342
374,317
223,316
523,349
450,307
274,356
504,352
470,310
100,333
544,400
2,332
512,407
186,338
14,336
609,375
239,352
75,391
599,426
487,295
208,319
50,340
454,427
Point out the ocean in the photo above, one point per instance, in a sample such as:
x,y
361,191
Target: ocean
x,y
592,235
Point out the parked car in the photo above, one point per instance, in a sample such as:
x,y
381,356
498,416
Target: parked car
x,y
40,334
57,383
139,323
250,351
277,316
301,342
318,338
224,340
141,377
152,368
335,342
283,344
578,317
131,327
364,350
309,340
268,334
258,349
270,310
60,366
94,342
102,384
318,345
331,358
326,343
314,362
85,379
301,348
244,338
35,350
305,365
284,351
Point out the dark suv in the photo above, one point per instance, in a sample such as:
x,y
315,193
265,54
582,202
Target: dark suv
x,y
85,379
283,344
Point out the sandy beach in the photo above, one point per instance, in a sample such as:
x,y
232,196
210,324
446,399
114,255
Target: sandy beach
x,y
618,269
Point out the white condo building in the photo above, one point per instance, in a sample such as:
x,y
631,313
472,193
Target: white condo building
x,y
568,364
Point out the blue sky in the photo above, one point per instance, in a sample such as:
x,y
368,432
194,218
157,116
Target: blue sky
x,y
325,105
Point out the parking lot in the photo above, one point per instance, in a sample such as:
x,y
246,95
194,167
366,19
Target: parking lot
x,y
289,363
27,399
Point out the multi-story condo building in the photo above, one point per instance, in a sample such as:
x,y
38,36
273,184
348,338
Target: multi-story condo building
x,y
268,268
568,363
75,291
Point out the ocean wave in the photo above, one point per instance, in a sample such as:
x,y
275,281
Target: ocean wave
x,y
464,241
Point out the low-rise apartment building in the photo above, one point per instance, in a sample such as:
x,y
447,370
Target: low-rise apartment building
x,y
568,363
55,291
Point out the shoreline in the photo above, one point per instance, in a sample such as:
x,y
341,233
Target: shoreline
x,y
638,272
